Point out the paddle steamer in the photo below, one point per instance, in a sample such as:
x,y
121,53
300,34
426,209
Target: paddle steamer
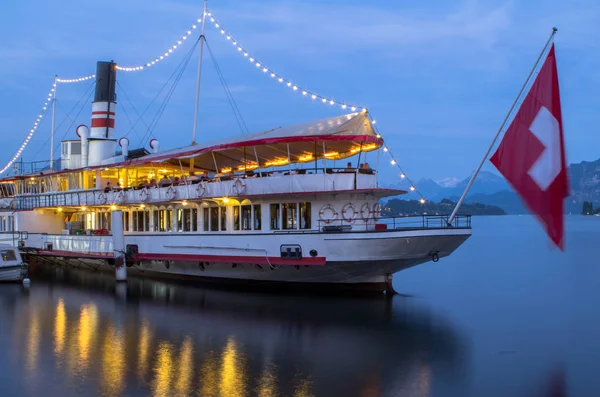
x,y
292,206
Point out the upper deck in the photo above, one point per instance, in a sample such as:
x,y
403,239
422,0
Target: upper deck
x,y
247,186
301,159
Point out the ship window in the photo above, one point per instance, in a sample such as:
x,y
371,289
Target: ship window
x,y
103,221
75,147
214,219
275,217
257,217
305,216
8,255
223,218
236,218
155,215
289,211
187,220
141,221
206,219
126,221
246,217
165,220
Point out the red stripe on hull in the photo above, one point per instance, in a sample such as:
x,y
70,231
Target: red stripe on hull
x,y
103,112
96,123
259,260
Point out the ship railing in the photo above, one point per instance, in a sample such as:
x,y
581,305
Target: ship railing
x,y
85,244
395,223
236,187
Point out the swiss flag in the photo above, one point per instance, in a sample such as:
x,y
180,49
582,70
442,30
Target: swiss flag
x,y
531,155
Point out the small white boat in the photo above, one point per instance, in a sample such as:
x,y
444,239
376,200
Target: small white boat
x,y
12,268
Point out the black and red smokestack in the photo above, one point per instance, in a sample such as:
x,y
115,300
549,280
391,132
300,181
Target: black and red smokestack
x,y
103,107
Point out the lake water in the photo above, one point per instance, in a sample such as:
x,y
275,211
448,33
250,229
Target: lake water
x,y
497,318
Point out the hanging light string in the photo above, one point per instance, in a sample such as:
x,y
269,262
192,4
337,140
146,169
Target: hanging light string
x,y
75,80
395,163
277,77
305,92
86,78
164,55
34,127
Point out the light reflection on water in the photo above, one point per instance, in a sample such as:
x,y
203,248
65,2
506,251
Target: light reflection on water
x,y
172,340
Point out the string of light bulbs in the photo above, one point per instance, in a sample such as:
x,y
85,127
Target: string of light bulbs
x,y
75,80
176,45
277,77
308,93
36,123
395,163
164,55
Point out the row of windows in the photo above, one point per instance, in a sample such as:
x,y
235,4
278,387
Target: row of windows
x,y
283,216
186,220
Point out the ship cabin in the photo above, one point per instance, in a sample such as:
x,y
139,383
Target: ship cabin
x,y
310,178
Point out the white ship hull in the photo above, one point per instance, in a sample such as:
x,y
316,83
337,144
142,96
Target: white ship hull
x,y
353,260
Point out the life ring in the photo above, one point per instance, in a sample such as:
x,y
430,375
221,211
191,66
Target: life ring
x,y
102,198
120,197
171,193
200,189
349,213
238,186
376,211
325,218
365,212
144,194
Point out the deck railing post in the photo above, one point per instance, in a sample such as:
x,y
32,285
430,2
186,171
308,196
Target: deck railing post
x,y
118,245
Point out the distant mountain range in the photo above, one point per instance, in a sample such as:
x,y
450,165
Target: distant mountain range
x,y
492,189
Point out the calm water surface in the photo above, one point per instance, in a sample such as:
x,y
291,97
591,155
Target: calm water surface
x,y
495,319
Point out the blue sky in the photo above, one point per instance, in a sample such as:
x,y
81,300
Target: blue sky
x,y
437,76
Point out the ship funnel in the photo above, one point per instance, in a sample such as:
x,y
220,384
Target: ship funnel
x,y
83,132
124,143
154,145
103,107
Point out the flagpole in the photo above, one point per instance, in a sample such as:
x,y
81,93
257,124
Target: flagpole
x,y
487,153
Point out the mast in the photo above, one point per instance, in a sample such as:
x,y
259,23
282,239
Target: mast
x,y
198,78
53,123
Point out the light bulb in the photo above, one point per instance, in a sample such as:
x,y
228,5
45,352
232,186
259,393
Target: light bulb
x,y
422,201
314,96
412,188
304,93
393,162
402,175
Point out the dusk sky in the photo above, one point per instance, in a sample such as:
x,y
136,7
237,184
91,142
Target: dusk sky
x,y
438,76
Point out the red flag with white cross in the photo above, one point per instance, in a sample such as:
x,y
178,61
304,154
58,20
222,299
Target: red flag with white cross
x,y
531,155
